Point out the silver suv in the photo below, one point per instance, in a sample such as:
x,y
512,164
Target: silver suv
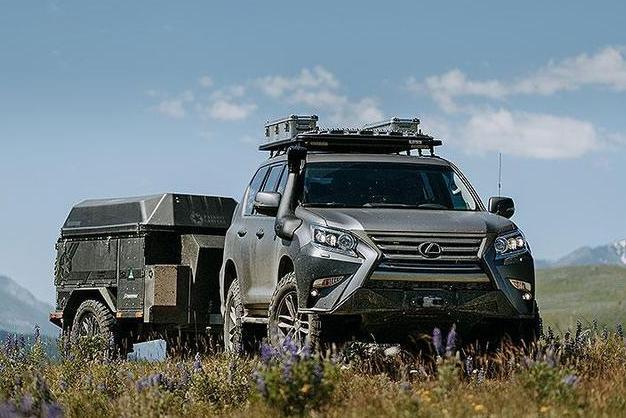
x,y
366,233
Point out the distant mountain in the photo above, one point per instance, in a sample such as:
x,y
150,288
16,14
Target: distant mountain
x,y
610,254
20,311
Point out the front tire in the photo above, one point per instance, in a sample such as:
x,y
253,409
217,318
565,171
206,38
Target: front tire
x,y
286,322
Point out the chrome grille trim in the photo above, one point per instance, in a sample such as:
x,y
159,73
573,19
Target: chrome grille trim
x,y
460,252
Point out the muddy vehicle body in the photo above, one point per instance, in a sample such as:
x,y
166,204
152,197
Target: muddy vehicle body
x,y
134,267
367,233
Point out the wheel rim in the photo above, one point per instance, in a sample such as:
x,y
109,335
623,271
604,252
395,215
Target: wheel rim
x,y
88,325
290,323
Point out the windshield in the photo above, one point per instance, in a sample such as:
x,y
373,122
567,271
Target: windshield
x,y
393,185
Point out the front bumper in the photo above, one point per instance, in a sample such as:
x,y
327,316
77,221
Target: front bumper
x,y
369,290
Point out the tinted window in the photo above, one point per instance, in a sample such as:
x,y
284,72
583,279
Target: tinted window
x,y
253,189
370,184
272,179
283,180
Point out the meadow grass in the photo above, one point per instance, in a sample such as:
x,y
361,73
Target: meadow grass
x,y
585,293
578,374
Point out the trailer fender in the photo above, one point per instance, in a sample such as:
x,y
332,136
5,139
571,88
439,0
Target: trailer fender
x,y
79,295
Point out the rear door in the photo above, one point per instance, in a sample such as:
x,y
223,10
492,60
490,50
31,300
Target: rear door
x,y
266,245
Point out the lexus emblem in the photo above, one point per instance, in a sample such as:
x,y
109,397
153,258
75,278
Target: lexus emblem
x,y
429,249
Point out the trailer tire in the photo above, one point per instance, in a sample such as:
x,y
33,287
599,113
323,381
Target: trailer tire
x,y
286,322
93,319
233,323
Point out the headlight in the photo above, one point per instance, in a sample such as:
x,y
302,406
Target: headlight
x,y
510,244
335,240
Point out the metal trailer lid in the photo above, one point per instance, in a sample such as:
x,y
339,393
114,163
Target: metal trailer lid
x,y
167,211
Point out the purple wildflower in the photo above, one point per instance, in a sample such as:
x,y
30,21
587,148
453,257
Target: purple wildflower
x,y
287,371
197,364
437,341
26,405
570,380
469,365
290,347
7,409
305,353
451,342
51,410
268,353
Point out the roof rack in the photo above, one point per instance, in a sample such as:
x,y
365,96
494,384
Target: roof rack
x,y
393,136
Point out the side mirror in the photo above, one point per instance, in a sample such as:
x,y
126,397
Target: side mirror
x,y
503,206
266,203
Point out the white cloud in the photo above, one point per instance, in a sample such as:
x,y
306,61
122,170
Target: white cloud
x,y
205,81
317,89
175,107
318,77
606,68
171,108
529,135
227,110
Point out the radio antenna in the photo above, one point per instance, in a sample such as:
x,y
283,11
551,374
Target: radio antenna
x,y
499,174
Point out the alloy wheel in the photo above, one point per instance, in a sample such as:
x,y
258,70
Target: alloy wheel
x,y
292,324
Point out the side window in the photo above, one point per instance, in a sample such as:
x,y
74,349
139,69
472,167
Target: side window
x,y
283,180
253,189
272,179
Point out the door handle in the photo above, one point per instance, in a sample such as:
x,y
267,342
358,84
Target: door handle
x,y
242,233
260,233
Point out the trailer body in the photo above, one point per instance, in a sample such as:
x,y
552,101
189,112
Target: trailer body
x,y
154,261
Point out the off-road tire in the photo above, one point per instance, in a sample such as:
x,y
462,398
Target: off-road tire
x,y
93,319
233,325
286,291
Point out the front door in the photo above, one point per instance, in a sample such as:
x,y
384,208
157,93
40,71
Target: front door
x,y
266,242
245,227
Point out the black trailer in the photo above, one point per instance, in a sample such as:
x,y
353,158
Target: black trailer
x,y
132,266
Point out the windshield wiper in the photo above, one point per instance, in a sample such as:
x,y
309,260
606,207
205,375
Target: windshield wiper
x,y
325,205
432,206
387,205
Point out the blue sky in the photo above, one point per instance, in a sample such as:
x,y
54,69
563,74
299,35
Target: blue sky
x,y
102,99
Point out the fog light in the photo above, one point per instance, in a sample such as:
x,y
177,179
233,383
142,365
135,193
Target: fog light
x,y
527,296
521,285
315,293
327,282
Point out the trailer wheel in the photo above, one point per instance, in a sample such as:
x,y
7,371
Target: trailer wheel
x,y
233,326
93,319
287,323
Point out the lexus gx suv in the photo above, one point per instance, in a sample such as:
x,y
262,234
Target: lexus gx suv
x,y
345,234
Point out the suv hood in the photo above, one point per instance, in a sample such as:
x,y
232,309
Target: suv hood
x,y
411,220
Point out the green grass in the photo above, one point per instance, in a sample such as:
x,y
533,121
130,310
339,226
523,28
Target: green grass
x,y
568,294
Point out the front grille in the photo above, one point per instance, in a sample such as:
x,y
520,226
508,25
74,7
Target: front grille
x,y
459,252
